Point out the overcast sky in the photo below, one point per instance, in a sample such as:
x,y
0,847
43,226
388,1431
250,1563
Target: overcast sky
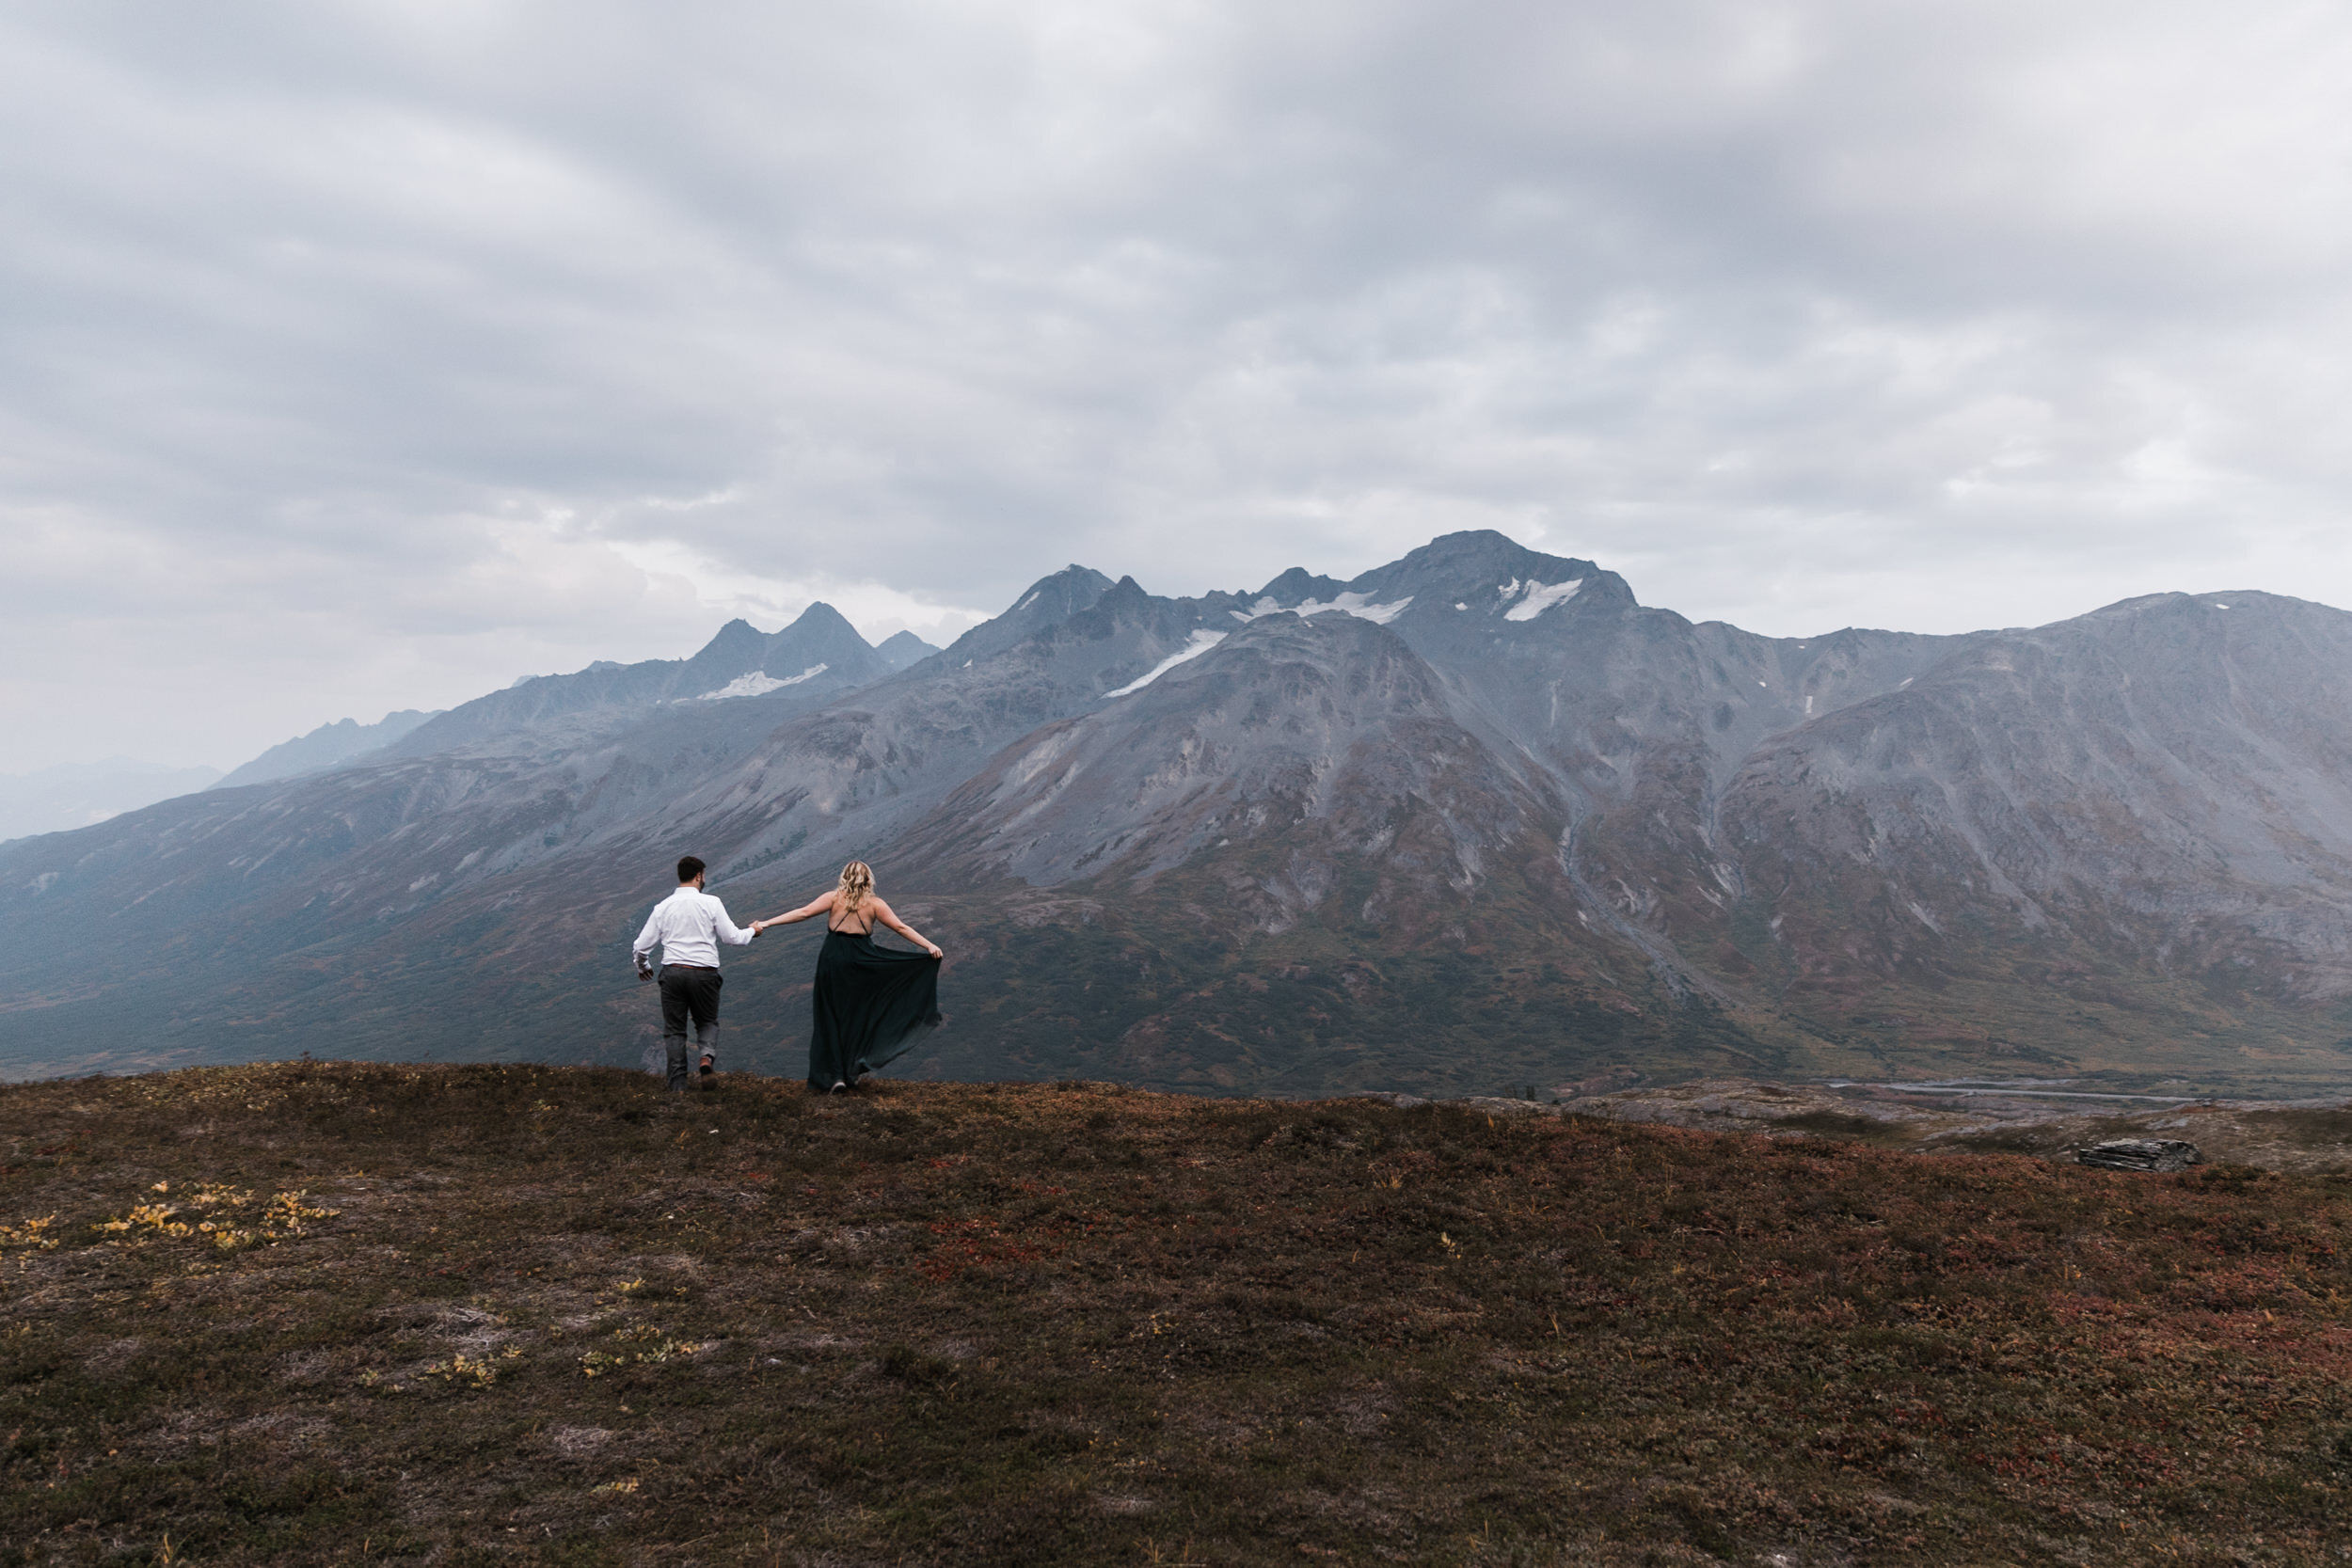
x,y
369,355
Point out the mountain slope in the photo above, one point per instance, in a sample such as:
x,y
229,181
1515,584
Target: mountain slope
x,y
2163,786
2172,774
1300,736
421,888
249,919
1475,818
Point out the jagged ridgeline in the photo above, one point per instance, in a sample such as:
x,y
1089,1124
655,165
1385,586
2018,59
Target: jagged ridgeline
x,y
1476,820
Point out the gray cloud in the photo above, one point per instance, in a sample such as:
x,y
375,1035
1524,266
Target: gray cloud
x,y
367,356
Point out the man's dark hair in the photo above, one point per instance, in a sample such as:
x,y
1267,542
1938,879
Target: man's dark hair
x,y
688,868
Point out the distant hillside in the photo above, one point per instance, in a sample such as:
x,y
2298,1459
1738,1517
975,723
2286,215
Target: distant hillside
x,y
324,747
1474,819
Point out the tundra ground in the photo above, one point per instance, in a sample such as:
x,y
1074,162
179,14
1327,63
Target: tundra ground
x,y
322,1312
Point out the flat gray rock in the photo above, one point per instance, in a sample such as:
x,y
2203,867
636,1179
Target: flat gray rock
x,y
2140,1154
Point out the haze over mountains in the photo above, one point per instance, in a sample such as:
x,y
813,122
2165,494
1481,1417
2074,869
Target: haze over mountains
x,y
75,795
1476,820
60,798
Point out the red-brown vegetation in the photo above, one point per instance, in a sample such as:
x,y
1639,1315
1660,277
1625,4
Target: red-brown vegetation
x,y
475,1314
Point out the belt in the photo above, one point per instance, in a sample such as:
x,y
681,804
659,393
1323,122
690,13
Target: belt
x,y
714,968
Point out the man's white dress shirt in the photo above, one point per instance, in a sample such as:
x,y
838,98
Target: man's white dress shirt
x,y
690,924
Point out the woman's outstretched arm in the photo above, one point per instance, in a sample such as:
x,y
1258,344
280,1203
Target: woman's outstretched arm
x,y
889,917
814,907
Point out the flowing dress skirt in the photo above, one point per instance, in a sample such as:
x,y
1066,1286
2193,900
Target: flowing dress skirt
x,y
871,1004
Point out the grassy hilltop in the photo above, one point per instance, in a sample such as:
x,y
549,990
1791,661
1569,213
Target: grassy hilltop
x,y
320,1313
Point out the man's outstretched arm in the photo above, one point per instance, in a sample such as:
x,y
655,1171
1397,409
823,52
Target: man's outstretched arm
x,y
728,930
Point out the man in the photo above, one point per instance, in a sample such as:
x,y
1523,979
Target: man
x,y
689,925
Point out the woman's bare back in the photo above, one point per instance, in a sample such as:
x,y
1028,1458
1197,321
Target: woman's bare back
x,y
870,912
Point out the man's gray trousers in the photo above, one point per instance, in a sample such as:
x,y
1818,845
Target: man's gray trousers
x,y
689,992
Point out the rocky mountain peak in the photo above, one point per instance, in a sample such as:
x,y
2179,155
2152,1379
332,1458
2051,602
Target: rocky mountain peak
x,y
1123,602
737,646
1486,574
1047,601
736,634
1298,585
820,617
903,648
821,641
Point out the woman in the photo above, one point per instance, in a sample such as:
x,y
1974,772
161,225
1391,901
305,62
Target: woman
x,y
870,1000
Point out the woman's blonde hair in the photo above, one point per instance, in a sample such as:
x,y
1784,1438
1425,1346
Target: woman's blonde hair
x,y
857,880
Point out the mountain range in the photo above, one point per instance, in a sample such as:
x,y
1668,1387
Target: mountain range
x,y
1475,821
328,746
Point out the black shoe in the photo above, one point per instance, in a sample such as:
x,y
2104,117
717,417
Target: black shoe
x,y
838,1088
708,1071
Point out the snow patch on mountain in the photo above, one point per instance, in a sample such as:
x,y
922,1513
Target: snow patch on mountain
x,y
1358,605
758,684
1201,643
1536,597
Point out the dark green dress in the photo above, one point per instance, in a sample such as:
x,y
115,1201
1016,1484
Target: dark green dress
x,y
870,1004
